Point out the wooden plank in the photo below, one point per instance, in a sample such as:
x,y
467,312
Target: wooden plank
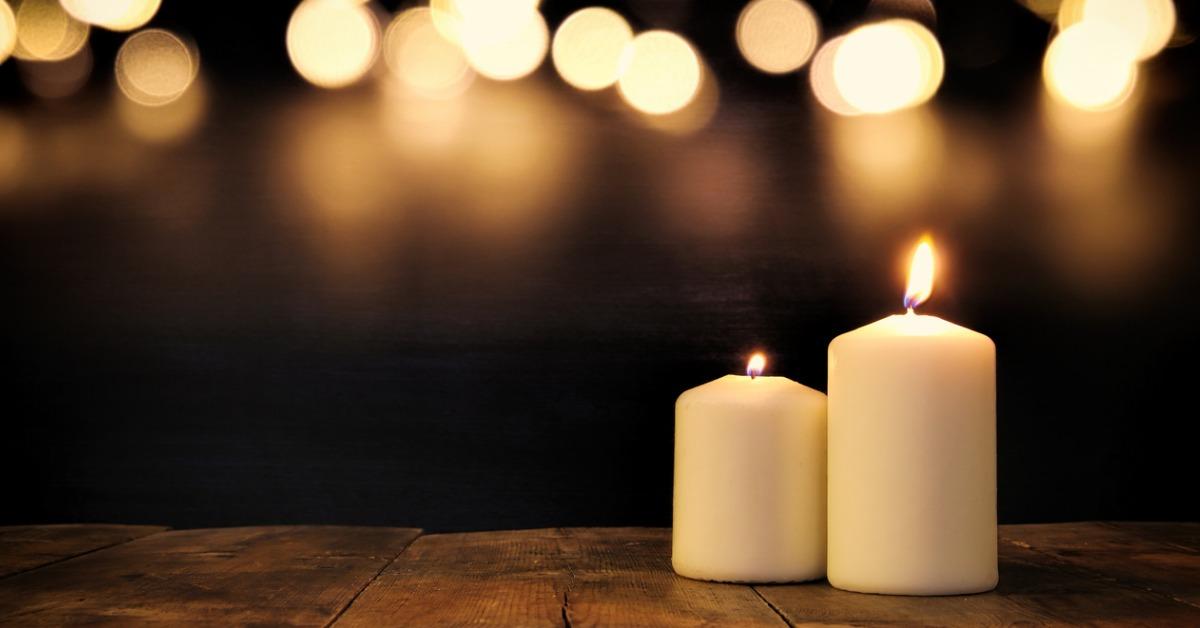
x,y
1159,557
27,547
550,577
1035,587
303,575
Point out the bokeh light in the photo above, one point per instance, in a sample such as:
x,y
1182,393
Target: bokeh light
x,y
422,59
45,32
116,15
8,31
333,43
777,36
693,116
820,78
504,46
887,66
57,79
588,47
155,67
1087,68
167,123
662,73
1146,26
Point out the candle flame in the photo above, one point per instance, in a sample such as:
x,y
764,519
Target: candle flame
x,y
755,366
920,275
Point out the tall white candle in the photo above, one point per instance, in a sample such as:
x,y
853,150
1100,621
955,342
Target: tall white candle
x,y
912,453
750,480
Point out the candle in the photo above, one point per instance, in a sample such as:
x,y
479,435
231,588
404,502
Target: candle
x,y
912,453
750,480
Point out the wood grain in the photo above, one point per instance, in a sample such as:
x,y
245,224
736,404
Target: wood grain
x,y
303,575
553,577
1158,557
26,547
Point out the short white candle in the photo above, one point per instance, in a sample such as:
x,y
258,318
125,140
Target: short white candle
x,y
912,453
750,480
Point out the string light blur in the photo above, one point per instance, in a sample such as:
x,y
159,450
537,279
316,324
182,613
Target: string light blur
x,y
662,73
155,67
507,45
1084,68
820,78
588,46
777,36
333,43
116,15
1143,26
8,31
887,66
422,59
45,32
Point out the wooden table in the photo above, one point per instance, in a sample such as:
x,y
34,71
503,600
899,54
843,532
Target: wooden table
x,y
1118,573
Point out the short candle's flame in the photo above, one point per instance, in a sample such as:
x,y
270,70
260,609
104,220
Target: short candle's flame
x,y
755,366
920,275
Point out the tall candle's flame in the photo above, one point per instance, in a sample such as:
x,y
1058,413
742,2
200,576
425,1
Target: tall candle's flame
x,y
755,367
920,275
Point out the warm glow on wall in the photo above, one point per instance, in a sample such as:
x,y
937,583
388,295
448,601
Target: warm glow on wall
x,y
116,15
1144,26
154,67
662,73
887,66
57,79
422,59
1085,69
170,122
45,32
777,36
333,43
588,47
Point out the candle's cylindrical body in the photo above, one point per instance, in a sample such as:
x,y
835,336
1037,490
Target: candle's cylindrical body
x,y
912,458
750,481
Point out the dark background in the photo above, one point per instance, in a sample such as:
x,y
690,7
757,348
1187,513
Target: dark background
x,y
279,320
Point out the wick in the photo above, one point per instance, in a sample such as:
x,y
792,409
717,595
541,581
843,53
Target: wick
x,y
910,312
753,375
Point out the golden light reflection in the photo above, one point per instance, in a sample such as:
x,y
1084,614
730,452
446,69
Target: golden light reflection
x,y
1086,67
422,59
8,31
777,36
333,43
920,275
167,123
116,15
886,167
45,32
887,66
588,47
508,47
1144,26
662,73
14,152
57,79
155,67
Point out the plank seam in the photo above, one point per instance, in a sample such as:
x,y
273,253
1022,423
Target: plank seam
x,y
1094,573
81,554
570,569
770,605
342,611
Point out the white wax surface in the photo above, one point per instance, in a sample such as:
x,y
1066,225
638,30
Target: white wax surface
x,y
912,458
750,481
